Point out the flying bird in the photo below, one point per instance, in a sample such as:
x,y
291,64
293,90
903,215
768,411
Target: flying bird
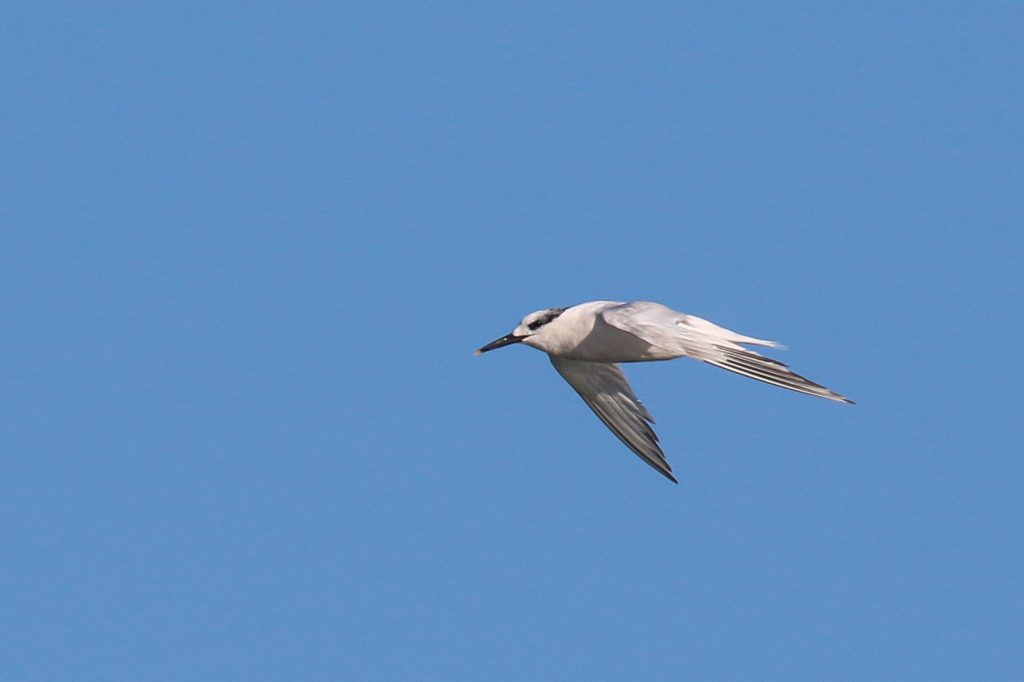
x,y
586,342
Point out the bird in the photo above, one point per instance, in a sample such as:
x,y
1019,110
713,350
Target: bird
x,y
587,342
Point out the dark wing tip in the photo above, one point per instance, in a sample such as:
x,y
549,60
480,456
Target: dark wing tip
x,y
772,371
662,467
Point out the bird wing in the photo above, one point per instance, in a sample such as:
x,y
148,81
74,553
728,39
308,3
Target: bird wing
x,y
696,337
604,388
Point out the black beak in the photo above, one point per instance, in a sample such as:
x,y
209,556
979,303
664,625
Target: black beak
x,y
498,343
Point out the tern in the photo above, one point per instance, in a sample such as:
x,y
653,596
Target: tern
x,y
586,342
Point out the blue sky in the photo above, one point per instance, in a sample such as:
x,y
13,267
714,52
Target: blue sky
x,y
246,254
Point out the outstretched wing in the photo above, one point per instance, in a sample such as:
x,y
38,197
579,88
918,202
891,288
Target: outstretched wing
x,y
695,337
604,388
756,366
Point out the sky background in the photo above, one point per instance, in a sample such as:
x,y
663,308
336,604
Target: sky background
x,y
246,252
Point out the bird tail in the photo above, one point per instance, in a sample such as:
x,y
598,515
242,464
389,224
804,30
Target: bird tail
x,y
712,330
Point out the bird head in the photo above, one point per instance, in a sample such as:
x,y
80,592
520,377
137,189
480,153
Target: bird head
x,y
530,326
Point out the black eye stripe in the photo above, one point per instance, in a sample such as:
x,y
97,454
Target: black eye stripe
x,y
545,318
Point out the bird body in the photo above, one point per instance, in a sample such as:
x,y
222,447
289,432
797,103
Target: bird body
x,y
586,342
641,331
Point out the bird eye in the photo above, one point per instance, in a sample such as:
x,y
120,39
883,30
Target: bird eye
x,y
534,324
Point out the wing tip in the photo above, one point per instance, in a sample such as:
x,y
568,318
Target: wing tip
x,y
838,397
665,470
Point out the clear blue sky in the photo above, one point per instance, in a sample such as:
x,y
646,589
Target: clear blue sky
x,y
247,252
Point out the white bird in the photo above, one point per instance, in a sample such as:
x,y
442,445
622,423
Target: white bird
x,y
584,343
